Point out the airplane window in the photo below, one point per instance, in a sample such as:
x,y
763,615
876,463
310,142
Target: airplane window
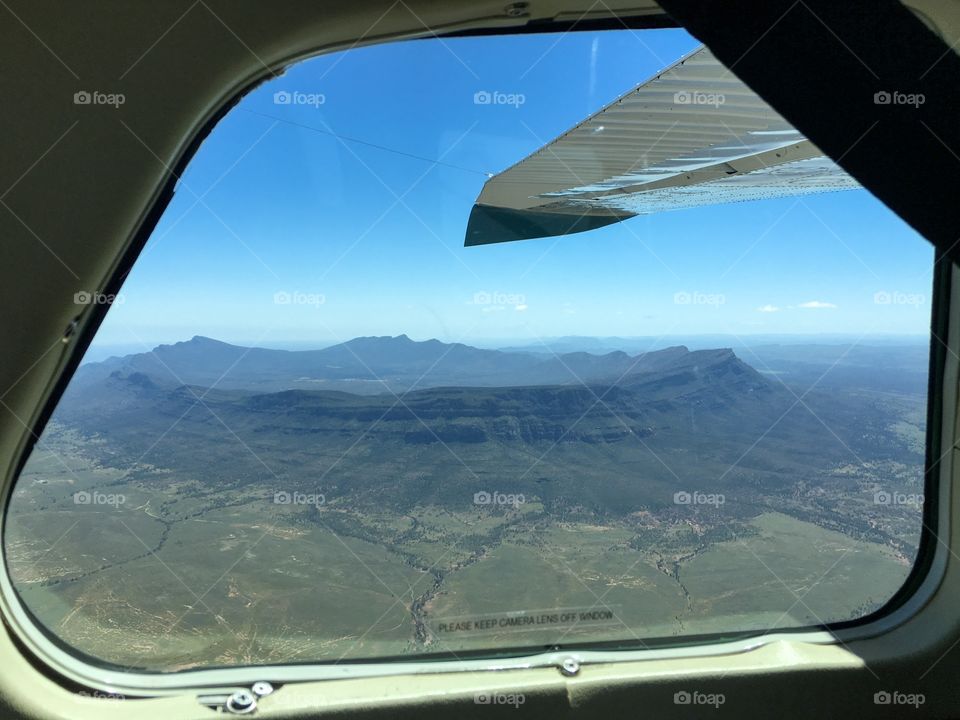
x,y
475,346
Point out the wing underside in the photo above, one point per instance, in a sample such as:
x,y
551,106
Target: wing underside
x,y
693,135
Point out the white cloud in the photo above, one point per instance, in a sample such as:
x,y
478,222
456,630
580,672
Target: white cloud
x,y
520,308
817,304
768,308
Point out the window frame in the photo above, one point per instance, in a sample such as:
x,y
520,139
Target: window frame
x,y
922,583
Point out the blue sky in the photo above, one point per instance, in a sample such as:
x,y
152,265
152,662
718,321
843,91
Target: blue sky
x,y
294,213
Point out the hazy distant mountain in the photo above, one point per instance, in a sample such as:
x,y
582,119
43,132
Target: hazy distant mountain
x,y
365,365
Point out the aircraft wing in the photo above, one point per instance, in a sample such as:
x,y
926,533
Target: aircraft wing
x,y
692,135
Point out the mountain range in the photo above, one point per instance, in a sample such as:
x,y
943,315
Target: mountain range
x,y
432,422
368,365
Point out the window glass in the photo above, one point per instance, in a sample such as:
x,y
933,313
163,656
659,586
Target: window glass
x,y
315,426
